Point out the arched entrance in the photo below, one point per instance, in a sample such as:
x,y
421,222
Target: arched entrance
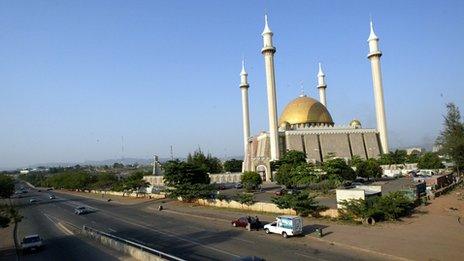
x,y
262,170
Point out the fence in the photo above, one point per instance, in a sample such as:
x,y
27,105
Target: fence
x,y
134,249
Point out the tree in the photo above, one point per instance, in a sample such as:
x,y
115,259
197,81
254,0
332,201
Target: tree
x,y
451,138
303,203
210,163
340,168
105,181
251,180
118,165
179,172
294,157
369,169
233,165
355,160
413,157
187,180
135,182
430,160
6,186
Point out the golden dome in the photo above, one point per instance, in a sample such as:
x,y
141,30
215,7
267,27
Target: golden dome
x,y
355,123
305,110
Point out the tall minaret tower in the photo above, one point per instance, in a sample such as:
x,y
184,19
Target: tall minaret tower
x,y
374,57
268,53
246,116
321,86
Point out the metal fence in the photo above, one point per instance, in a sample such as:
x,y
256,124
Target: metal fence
x,y
133,244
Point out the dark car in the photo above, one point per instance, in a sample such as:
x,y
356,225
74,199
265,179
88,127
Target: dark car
x,y
244,221
279,192
238,186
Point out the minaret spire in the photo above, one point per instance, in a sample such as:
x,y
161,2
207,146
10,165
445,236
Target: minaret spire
x,y
321,86
268,51
374,57
245,111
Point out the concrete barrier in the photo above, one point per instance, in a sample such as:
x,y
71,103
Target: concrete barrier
x,y
137,251
132,194
259,207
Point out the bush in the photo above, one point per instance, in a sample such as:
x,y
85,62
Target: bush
x,y
251,180
391,207
190,192
369,169
6,186
340,168
246,198
430,160
233,165
303,203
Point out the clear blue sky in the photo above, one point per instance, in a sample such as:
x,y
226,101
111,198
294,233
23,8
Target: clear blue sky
x,y
75,76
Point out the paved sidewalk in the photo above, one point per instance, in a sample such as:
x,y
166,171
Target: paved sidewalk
x,y
7,248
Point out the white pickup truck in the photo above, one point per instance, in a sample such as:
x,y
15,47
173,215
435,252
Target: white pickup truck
x,y
31,242
285,226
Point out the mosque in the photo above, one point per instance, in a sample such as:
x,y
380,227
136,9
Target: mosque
x,y
306,124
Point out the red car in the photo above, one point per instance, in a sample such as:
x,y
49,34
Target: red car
x,y
243,222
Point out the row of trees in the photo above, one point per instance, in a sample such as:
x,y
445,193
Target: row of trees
x,y
294,171
83,180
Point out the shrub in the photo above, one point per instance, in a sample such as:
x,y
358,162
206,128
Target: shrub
x,y
251,180
246,198
391,207
303,203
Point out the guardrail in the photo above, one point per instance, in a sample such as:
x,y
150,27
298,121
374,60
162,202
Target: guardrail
x,y
133,244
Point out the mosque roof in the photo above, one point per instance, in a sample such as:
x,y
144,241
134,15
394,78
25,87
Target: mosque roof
x,y
305,110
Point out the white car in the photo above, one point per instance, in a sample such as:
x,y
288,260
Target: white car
x,y
285,226
31,242
81,210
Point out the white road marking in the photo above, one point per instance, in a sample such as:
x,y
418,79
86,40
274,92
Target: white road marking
x,y
310,257
244,240
112,230
170,234
59,225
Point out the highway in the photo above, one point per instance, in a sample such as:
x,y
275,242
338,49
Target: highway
x,y
186,237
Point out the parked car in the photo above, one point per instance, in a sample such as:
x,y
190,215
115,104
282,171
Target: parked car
x,y
51,196
279,192
33,200
285,226
244,221
81,210
31,243
238,186
48,189
221,186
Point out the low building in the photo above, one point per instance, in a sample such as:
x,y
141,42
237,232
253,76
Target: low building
x,y
357,192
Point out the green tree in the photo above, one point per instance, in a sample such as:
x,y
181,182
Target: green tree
x,y
413,158
369,169
430,160
6,186
451,138
187,180
208,162
179,172
233,165
118,165
303,203
105,181
355,160
251,180
340,168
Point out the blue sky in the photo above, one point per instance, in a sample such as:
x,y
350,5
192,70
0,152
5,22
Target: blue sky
x,y
76,76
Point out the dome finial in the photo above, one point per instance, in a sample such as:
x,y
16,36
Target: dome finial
x,y
372,35
320,73
302,94
266,30
243,72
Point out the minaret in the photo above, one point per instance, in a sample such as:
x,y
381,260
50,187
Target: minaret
x,y
268,53
374,57
246,116
321,86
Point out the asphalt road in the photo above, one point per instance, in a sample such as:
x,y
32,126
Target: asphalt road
x,y
60,240
187,237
